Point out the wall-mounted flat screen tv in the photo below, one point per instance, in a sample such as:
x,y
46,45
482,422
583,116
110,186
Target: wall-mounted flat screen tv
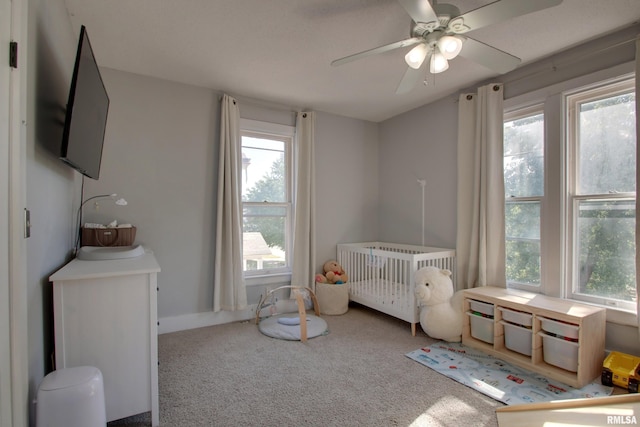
x,y
86,113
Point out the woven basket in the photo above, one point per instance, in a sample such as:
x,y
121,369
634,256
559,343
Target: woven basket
x,y
108,236
333,299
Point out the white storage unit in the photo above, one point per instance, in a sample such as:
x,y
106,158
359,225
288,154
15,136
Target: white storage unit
x,y
575,361
105,315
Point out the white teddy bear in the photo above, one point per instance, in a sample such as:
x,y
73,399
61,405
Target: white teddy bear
x,y
441,308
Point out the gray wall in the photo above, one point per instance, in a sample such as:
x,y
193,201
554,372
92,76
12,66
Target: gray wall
x,y
346,183
160,155
420,144
51,186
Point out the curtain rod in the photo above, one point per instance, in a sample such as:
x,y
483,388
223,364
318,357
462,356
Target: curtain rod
x,y
264,104
553,65
548,64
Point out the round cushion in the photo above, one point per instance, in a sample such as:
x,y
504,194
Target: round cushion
x,y
271,327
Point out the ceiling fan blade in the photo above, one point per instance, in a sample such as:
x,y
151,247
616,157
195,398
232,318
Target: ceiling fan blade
x,y
488,56
497,12
410,79
419,10
374,51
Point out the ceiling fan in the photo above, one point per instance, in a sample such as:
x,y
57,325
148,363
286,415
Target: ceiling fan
x,y
437,32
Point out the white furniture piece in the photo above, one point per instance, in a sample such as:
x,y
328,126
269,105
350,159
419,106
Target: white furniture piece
x,y
105,315
587,321
71,397
381,275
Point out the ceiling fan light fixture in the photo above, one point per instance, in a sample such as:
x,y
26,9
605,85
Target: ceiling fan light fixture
x,y
416,56
450,46
438,62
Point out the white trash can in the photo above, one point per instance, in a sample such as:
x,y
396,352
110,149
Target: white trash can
x,y
71,397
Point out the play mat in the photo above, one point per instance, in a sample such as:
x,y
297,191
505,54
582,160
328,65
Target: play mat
x,y
497,379
277,319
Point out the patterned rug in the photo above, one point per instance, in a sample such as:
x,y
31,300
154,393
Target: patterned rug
x,y
498,379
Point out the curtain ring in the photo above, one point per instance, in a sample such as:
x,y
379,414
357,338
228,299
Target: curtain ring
x,y
234,102
469,97
496,88
304,115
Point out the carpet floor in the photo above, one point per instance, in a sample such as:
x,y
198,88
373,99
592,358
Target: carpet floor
x,y
357,375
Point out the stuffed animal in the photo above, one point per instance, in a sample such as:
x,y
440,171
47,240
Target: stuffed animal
x,y
441,308
321,278
334,273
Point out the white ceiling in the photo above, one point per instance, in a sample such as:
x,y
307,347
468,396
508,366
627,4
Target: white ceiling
x,y
280,51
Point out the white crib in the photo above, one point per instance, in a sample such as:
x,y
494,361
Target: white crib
x,y
382,275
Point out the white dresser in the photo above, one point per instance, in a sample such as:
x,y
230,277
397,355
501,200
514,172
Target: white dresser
x,y
105,315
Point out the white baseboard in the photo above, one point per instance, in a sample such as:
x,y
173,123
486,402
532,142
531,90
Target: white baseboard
x,y
201,320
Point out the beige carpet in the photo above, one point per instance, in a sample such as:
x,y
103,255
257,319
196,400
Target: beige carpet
x,y
357,375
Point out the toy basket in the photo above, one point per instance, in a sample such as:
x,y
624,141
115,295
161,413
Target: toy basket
x,y
108,236
333,299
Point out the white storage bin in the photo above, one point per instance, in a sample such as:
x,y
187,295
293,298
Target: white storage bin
x,y
562,329
560,352
517,317
517,338
481,327
481,307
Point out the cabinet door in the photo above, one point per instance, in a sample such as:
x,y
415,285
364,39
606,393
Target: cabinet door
x,y
105,323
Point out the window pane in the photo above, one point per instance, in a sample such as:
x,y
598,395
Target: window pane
x,y
522,229
263,170
607,145
606,249
524,156
264,237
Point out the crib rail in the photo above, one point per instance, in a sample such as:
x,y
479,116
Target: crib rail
x,y
367,261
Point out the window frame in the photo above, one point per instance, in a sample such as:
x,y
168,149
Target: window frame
x,y
572,100
552,221
511,115
286,134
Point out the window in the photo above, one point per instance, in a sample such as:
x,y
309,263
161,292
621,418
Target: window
x,y
266,197
601,194
570,191
524,190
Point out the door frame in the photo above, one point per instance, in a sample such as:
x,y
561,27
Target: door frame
x,y
14,379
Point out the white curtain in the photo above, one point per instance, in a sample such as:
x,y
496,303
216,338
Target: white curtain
x,y
229,292
480,245
304,237
637,180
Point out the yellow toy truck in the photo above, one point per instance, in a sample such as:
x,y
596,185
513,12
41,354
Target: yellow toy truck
x,y
622,370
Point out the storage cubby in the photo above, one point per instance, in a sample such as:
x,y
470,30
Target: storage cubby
x,y
573,333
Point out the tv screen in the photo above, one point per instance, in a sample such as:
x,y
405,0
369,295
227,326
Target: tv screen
x,y
86,114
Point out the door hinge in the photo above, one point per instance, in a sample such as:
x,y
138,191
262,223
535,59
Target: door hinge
x,y
27,223
13,54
